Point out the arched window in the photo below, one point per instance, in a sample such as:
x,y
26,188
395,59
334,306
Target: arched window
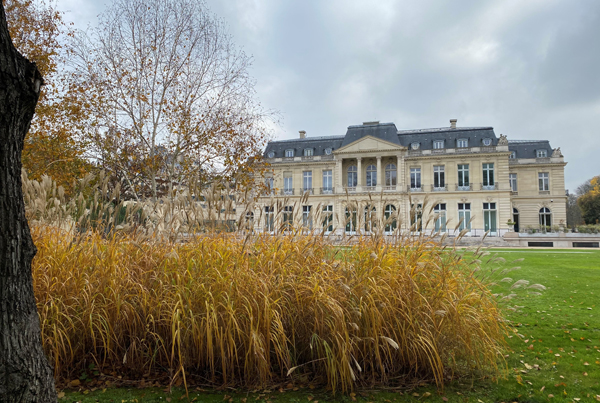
x,y
390,218
545,218
390,175
370,218
352,176
371,175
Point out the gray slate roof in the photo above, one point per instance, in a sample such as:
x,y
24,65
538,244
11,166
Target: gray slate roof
x,y
389,132
528,148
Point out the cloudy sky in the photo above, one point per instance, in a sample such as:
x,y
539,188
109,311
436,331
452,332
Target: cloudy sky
x,y
530,69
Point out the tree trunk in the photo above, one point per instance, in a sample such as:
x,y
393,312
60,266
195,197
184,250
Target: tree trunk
x,y
25,375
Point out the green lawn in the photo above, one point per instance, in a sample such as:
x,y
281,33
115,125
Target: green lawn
x,y
554,346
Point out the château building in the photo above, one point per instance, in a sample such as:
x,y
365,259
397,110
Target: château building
x,y
401,179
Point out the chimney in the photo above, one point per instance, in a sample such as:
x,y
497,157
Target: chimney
x,y
453,123
302,134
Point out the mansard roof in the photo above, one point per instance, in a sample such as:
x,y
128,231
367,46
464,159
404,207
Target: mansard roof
x,y
529,148
388,132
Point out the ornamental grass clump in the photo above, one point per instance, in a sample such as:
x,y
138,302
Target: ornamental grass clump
x,y
226,309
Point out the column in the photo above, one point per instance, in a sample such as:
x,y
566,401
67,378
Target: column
x,y
339,176
380,183
399,173
359,173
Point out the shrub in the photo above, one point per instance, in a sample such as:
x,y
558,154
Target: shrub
x,y
260,310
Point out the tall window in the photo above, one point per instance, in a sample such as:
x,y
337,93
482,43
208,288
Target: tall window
x,y
307,181
489,217
463,177
307,217
544,181
439,182
488,176
390,175
288,217
249,221
416,217
327,181
438,144
516,219
371,175
390,218
512,178
415,178
288,185
269,184
440,222
464,216
289,153
352,176
351,219
370,218
545,218
462,143
328,218
541,154
269,218
308,152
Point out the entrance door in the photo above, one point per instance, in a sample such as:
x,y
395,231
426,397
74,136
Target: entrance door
x,y
489,218
516,219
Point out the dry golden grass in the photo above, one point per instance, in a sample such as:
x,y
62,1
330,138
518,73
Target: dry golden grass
x,y
261,310
131,290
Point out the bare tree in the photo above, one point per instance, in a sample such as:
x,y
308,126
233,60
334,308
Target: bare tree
x,y
25,375
171,95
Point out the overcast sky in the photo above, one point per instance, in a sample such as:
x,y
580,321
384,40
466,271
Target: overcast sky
x,y
528,68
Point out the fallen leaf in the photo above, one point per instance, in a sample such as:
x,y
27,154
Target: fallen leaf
x,y
75,382
61,395
550,395
444,398
415,394
426,394
585,374
542,389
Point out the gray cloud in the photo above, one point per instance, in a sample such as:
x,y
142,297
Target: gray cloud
x,y
530,69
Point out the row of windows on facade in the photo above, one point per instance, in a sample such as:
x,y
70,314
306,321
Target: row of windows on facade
x,y
437,145
439,181
390,222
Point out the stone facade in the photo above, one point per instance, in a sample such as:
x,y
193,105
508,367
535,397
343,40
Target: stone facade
x,y
377,175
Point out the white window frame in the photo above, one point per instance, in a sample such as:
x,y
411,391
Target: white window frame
x,y
391,175
488,182
462,143
463,177
512,155
289,153
487,142
512,180
439,177
490,209
352,172
544,181
309,152
438,144
371,179
541,153
307,180
327,180
464,214
328,218
307,217
440,221
288,184
415,179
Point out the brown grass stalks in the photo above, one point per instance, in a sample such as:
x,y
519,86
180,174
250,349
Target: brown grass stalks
x,y
254,311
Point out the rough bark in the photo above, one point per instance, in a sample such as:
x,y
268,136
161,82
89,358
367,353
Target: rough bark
x,y
25,375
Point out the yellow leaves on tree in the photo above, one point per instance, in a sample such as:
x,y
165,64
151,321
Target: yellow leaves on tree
x,y
589,202
51,146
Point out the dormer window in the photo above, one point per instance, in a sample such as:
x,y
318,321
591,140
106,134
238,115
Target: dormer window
x,y
328,151
438,144
289,153
542,153
271,154
513,155
414,146
487,142
308,152
462,143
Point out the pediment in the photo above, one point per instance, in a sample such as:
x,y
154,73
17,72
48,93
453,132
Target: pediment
x,y
368,144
